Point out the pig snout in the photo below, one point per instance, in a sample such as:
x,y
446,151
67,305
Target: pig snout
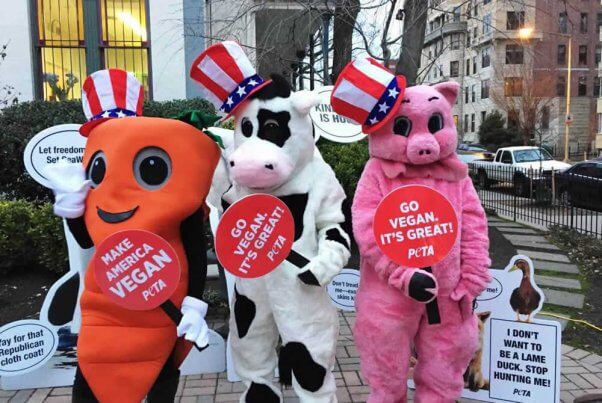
x,y
258,167
423,149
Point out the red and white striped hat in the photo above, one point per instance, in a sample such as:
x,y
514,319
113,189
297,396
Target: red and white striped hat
x,y
367,93
109,94
226,76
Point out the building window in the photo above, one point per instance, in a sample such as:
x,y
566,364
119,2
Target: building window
x,y
582,86
475,10
456,119
598,22
514,54
465,123
545,117
561,54
454,68
467,67
472,122
515,20
485,57
474,92
487,24
583,23
561,86
457,14
583,55
466,95
61,48
563,24
597,83
483,116
485,89
455,41
474,65
599,122
475,33
513,86
124,37
598,55
467,39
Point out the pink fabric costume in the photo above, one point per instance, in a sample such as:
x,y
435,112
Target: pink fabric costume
x,y
417,146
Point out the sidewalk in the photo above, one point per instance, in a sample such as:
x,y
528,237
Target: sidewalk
x,y
581,371
581,374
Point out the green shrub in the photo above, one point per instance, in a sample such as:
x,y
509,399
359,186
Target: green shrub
x,y
347,161
19,123
31,236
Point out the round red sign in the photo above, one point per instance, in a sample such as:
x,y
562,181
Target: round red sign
x,y
254,235
415,226
136,269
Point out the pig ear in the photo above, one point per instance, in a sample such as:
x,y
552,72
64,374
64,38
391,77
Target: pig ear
x,y
449,90
303,101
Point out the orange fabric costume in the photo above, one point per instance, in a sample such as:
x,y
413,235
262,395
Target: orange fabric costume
x,y
121,352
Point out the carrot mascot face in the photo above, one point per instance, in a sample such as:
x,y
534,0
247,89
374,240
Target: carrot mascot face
x,y
138,173
146,173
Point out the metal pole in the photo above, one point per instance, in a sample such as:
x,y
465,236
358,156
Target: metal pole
x,y
325,40
567,127
311,61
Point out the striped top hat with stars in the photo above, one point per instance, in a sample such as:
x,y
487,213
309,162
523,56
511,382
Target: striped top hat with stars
x,y
109,94
226,76
367,94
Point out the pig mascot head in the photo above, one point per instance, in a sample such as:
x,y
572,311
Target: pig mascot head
x,y
411,129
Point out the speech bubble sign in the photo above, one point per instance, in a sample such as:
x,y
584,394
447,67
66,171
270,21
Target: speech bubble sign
x,y
57,143
254,235
415,226
136,269
330,124
342,289
25,345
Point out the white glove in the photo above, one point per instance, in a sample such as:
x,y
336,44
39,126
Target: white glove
x,y
193,326
68,181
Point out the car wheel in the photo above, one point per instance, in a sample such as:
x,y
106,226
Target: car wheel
x,y
482,180
565,198
521,187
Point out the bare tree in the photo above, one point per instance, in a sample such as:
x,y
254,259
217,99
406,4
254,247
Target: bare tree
x,y
8,94
408,63
345,17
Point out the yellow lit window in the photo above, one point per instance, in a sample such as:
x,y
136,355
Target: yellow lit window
x,y
62,48
125,37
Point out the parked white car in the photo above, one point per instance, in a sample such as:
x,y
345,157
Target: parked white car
x,y
520,166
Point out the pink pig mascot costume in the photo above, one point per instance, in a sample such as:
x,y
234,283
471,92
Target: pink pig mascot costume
x,y
412,142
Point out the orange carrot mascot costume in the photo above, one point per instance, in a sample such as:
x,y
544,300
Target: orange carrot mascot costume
x,y
138,173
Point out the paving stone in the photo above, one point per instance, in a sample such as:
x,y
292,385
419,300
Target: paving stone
x,y
189,399
535,245
555,266
574,370
57,399
510,230
504,224
351,378
593,379
60,392
559,282
563,298
227,397
343,395
592,359
578,354
22,396
552,257
205,399
566,397
565,349
526,238
568,386
198,391
579,381
39,395
7,393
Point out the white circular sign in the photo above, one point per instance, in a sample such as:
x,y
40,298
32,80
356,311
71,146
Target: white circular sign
x,y
343,288
25,345
330,124
57,143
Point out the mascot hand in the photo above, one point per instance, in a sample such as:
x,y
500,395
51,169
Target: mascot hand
x,y
415,283
193,326
70,187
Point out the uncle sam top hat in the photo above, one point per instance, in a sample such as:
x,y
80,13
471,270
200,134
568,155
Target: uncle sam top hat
x,y
367,93
226,76
109,94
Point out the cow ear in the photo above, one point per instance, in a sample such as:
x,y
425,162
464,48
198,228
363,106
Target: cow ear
x,y
449,90
303,101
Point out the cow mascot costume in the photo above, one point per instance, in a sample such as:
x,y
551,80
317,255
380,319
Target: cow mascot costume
x,y
138,173
273,153
412,141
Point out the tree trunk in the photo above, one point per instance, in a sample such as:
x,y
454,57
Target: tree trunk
x,y
414,25
345,15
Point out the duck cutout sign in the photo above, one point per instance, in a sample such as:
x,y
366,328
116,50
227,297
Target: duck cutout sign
x,y
519,356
